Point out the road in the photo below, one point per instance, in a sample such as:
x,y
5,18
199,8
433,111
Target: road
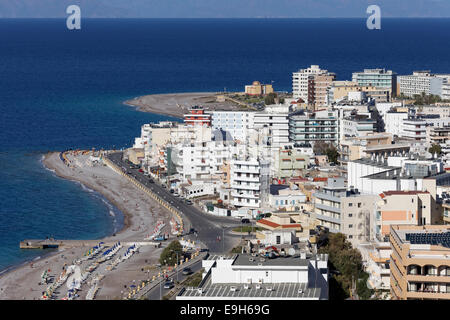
x,y
208,227
159,291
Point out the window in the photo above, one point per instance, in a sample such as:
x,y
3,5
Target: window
x,y
350,226
359,204
350,237
350,215
350,204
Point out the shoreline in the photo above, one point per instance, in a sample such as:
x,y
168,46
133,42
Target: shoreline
x,y
140,214
177,104
119,207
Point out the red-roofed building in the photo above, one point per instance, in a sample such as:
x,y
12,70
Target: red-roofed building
x,y
197,116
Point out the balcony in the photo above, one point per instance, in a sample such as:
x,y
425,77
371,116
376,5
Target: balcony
x,y
432,294
244,177
236,194
245,186
245,169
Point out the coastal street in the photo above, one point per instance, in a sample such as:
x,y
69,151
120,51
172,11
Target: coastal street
x,y
158,291
208,227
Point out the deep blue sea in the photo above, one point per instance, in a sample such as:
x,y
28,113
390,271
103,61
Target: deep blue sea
x,y
64,89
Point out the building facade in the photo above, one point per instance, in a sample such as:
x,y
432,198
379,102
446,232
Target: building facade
x,y
419,263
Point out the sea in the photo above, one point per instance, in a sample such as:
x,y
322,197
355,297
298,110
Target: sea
x,y
62,89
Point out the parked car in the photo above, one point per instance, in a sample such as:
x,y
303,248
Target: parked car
x,y
176,194
188,202
172,191
245,220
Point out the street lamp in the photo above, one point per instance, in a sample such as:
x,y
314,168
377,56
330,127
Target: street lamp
x,y
160,282
177,262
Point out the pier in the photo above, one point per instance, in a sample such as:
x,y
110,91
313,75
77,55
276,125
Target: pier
x,y
52,243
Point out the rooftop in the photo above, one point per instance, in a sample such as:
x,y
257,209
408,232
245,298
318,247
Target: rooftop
x,y
278,291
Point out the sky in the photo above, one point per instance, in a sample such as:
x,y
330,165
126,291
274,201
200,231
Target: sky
x,y
224,8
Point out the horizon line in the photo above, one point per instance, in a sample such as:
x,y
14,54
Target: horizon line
x,y
223,18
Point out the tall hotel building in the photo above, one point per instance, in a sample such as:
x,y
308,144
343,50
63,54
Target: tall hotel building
x,y
420,262
379,78
421,82
308,87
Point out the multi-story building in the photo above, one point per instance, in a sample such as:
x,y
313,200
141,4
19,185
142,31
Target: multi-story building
x,y
419,262
414,132
300,81
378,78
393,121
197,117
318,85
249,182
356,126
420,82
405,208
291,159
339,90
278,125
397,172
327,204
249,277
440,136
357,217
365,146
312,127
203,159
446,211
235,124
257,89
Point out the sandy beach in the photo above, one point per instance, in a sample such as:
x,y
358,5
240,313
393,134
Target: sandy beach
x,y
141,215
176,104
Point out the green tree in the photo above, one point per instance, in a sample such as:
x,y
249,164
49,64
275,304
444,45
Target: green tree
x,y
169,254
270,98
435,148
332,154
345,263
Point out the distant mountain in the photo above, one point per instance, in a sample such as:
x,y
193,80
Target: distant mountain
x,y
223,8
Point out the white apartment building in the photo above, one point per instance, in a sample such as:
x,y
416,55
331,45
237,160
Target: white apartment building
x,y
249,182
236,124
421,82
356,127
393,122
254,277
300,81
278,125
394,173
415,132
203,160
240,125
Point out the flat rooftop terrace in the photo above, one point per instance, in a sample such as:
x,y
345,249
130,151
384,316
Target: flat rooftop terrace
x,y
282,291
